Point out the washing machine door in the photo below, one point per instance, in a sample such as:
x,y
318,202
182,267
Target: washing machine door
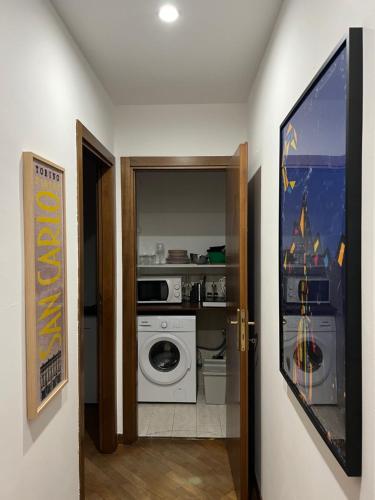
x,y
164,359
312,358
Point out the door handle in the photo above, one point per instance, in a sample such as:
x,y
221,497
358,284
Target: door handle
x,y
242,331
236,322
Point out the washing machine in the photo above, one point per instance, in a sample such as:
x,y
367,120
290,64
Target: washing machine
x,y
167,359
320,344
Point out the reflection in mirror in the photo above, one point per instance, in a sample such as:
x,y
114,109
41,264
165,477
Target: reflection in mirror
x,y
312,252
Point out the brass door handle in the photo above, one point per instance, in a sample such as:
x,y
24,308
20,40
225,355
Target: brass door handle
x,y
242,331
235,322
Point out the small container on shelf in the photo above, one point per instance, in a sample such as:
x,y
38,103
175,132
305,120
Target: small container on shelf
x,y
198,259
160,253
142,259
216,255
146,259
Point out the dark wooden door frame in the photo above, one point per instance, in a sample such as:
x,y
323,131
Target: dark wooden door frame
x,y
129,167
107,280
237,295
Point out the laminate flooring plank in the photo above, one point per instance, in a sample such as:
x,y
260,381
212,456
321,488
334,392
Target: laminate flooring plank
x,y
192,468
159,469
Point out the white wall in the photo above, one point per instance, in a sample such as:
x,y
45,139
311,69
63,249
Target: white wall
x,y
292,460
200,129
45,86
183,210
171,130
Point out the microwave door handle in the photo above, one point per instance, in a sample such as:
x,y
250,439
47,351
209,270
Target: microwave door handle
x,y
164,291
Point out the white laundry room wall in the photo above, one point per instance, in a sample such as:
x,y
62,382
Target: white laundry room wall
x,y
184,210
292,461
45,86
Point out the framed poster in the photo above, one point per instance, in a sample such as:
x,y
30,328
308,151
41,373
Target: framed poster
x,y
320,251
45,281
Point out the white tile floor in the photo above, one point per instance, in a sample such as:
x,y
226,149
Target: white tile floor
x,y
182,419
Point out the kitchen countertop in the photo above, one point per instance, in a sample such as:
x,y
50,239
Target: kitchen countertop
x,y
184,308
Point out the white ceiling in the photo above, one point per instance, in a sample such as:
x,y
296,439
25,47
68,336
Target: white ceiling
x,y
210,55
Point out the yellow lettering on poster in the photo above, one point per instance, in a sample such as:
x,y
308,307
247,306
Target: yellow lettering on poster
x,y
43,355
51,326
52,197
48,220
48,238
49,302
48,258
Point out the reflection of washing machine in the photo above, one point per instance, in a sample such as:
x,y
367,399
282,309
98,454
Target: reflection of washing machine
x,y
318,367
167,359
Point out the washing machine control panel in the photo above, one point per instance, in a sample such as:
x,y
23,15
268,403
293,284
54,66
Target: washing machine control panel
x,y
166,323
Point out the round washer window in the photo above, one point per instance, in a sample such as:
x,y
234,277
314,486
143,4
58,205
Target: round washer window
x,y
308,356
164,356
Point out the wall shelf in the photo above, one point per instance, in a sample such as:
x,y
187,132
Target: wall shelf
x,y
182,268
183,308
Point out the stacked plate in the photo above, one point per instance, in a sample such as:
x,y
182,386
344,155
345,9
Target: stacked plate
x,y
178,257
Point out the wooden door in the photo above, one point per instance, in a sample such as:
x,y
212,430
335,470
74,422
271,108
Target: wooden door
x,y
106,310
237,321
107,439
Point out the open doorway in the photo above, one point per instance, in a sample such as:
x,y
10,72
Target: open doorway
x,y
181,343
160,333
97,339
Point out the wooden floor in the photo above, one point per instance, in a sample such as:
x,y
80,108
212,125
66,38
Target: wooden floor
x,y
159,468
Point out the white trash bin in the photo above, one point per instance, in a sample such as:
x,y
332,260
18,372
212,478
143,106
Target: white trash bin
x,y
215,381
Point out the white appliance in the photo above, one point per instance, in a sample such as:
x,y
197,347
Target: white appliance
x,y
159,289
320,371
167,359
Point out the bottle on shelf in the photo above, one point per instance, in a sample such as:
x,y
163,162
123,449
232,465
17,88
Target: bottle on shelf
x,y
160,253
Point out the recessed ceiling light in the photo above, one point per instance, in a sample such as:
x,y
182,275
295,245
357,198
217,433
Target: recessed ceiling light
x,y
168,13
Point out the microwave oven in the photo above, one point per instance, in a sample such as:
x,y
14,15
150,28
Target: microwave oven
x,y
159,290
307,290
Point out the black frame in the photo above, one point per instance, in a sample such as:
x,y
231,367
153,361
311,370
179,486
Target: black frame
x,y
353,346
